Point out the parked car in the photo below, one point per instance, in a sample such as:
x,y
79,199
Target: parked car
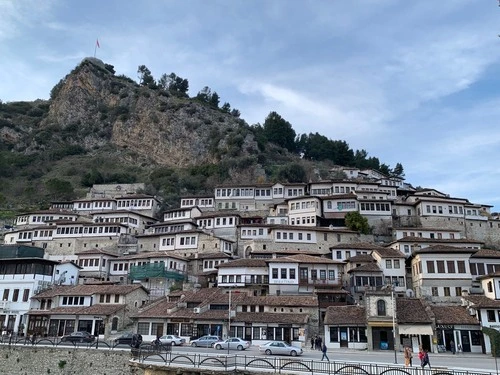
x,y
206,341
126,339
233,343
80,336
170,340
280,348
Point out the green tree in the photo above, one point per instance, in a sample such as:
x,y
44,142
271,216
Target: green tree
x,y
174,84
226,107
355,221
279,131
235,113
494,336
59,189
398,170
92,177
145,77
292,173
214,100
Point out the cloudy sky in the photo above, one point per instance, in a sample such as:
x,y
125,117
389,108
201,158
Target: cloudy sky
x,y
408,81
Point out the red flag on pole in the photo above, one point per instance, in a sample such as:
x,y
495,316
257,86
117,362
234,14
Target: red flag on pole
x,y
97,43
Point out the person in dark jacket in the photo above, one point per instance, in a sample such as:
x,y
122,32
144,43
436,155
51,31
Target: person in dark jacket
x,y
324,349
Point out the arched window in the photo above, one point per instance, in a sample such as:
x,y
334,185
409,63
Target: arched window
x,y
381,307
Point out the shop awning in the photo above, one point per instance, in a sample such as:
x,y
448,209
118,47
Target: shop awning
x,y
405,329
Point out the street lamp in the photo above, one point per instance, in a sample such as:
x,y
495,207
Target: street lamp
x,y
394,324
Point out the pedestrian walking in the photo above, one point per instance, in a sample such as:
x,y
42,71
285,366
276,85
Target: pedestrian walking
x,y
320,342
408,356
324,349
312,342
452,347
425,359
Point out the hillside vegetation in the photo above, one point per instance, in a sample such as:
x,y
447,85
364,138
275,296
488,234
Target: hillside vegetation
x,y
98,127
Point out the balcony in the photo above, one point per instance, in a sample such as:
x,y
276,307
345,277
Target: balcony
x,y
246,281
318,282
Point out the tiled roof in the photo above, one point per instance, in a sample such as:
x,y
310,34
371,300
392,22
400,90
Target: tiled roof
x,y
158,309
387,252
349,315
483,302
97,309
262,317
214,255
244,262
369,267
96,251
411,310
356,246
362,258
452,315
486,253
303,258
152,254
440,249
414,239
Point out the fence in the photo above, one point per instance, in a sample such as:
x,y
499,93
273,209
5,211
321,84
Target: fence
x,y
162,355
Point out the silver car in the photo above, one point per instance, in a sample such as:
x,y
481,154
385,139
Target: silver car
x,y
206,341
280,348
171,340
233,343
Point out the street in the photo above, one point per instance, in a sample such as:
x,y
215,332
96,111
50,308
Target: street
x,y
467,361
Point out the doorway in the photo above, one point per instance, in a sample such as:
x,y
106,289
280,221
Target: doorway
x,y
344,343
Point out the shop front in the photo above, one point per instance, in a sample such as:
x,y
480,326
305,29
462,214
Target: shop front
x,y
460,338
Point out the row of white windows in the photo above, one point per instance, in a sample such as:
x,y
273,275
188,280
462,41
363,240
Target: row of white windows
x,y
15,295
200,202
252,232
341,205
176,214
85,230
169,229
375,207
290,236
124,219
92,262
73,301
135,203
304,205
302,220
249,192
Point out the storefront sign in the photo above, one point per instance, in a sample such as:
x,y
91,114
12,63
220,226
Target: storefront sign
x,y
444,326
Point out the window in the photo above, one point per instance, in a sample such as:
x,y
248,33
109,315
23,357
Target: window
x,y
283,273
275,273
491,315
440,266
292,273
6,294
446,291
15,295
331,274
322,274
396,263
461,266
26,295
451,266
314,274
143,328
388,263
490,287
430,266
381,308
458,291
435,292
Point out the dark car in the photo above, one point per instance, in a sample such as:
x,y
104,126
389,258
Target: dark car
x,y
126,339
80,336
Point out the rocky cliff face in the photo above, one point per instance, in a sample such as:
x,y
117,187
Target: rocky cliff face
x,y
99,108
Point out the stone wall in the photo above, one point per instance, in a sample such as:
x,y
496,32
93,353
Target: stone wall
x,y
28,360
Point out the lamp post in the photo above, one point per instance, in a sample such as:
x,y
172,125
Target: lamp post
x,y
229,321
394,324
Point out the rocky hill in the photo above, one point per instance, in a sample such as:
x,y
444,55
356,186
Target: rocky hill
x,y
100,127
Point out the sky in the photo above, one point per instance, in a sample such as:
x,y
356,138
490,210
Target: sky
x,y
411,82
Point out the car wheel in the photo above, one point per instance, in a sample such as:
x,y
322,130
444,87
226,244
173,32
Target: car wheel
x,y
239,347
268,352
293,353
194,344
218,347
173,343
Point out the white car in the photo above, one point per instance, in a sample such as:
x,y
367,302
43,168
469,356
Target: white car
x,y
280,348
233,343
171,340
